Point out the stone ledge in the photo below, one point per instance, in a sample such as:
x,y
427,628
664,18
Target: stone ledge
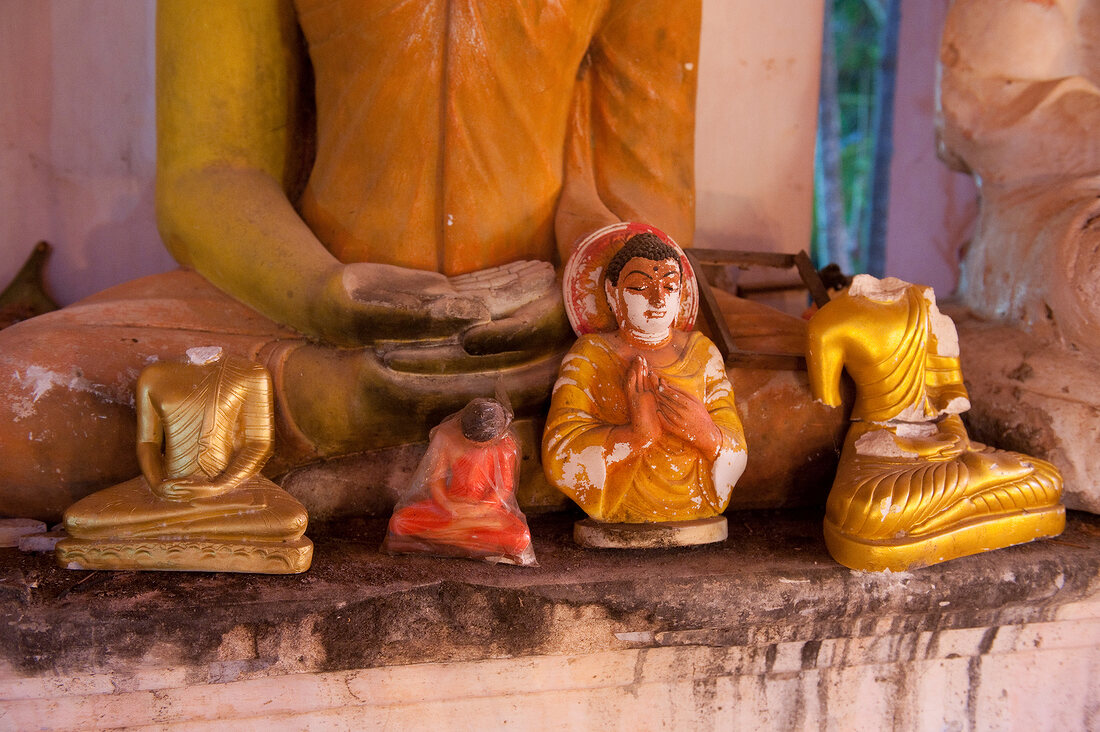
x,y
771,582
959,679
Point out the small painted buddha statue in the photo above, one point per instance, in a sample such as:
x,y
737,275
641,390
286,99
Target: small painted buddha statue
x,y
205,429
643,433
912,489
462,501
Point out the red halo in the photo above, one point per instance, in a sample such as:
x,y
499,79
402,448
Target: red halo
x,y
582,281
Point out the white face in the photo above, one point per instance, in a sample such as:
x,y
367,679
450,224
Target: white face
x,y
646,299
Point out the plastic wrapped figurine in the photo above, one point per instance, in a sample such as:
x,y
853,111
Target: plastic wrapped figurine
x,y
462,499
643,432
205,428
912,488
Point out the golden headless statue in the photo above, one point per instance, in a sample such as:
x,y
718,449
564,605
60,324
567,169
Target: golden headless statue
x,y
912,489
204,432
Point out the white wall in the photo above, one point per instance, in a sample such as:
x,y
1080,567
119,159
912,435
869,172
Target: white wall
x,y
756,118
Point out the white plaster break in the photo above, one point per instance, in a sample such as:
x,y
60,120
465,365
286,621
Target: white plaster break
x,y
973,678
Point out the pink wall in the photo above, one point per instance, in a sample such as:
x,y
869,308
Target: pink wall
x,y
932,210
78,139
77,131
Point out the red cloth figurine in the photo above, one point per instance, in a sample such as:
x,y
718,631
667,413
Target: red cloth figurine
x,y
462,501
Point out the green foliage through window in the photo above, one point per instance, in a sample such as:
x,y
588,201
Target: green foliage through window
x,y
853,143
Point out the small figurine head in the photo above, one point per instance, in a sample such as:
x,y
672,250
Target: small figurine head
x,y
484,420
642,284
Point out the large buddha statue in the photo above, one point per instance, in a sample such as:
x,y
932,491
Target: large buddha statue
x,y
643,429
204,431
369,199
1020,103
1019,108
912,489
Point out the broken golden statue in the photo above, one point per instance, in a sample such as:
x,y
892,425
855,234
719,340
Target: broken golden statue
x,y
205,429
912,489
642,433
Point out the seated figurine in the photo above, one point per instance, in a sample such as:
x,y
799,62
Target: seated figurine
x,y
642,429
204,431
912,489
463,503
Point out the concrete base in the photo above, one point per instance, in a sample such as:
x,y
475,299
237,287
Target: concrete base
x,y
762,630
597,535
186,555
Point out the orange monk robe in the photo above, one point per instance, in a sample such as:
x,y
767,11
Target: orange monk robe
x,y
472,507
450,133
669,481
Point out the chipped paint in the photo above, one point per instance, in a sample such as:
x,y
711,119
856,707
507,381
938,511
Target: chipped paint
x,y
586,470
38,381
726,470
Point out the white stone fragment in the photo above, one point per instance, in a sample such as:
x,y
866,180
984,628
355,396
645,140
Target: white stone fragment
x,y
888,289
12,529
203,354
44,542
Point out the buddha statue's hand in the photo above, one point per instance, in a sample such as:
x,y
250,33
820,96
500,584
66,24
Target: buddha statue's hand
x,y
682,414
364,302
641,403
190,488
525,301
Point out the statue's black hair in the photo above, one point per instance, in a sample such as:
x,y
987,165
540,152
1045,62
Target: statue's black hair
x,y
647,246
484,420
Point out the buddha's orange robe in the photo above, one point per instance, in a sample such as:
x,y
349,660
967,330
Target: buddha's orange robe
x,y
443,126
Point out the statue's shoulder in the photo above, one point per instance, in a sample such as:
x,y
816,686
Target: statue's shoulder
x,y
246,368
593,342
157,372
698,345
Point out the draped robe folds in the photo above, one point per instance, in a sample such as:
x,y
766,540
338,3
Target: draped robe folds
x,y
478,481
226,420
908,467
669,481
442,127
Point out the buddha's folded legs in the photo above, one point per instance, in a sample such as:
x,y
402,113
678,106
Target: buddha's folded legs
x,y
897,511
257,511
67,420
879,497
494,529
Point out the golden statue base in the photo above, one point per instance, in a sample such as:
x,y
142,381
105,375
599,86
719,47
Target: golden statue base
x,y
187,555
596,535
979,535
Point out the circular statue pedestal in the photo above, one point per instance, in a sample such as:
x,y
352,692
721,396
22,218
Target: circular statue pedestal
x,y
596,535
